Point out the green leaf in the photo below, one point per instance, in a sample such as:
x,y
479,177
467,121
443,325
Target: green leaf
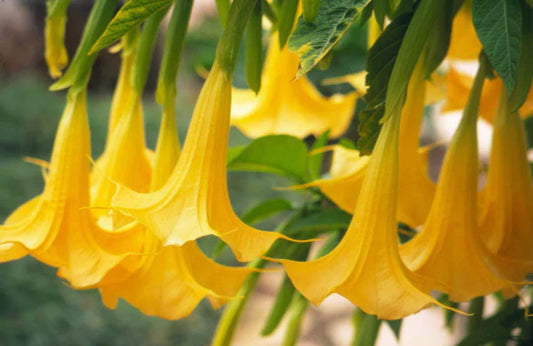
x,y
278,154
380,62
322,220
287,17
312,41
395,326
133,13
310,9
381,9
525,67
280,306
439,39
498,24
266,209
315,161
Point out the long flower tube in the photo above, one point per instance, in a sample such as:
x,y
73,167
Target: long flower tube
x,y
506,201
416,188
194,202
169,282
366,267
286,105
449,247
56,227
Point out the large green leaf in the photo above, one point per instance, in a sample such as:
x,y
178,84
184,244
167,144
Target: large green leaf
x,y
311,41
323,220
380,62
133,13
265,209
277,154
525,67
498,24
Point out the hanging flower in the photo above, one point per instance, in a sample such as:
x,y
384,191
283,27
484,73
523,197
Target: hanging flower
x,y
416,188
194,202
449,248
56,227
286,105
506,217
366,267
169,282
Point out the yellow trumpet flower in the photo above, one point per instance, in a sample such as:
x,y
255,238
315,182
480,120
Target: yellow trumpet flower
x,y
449,248
416,188
124,160
194,201
286,105
169,282
506,212
366,267
464,43
55,227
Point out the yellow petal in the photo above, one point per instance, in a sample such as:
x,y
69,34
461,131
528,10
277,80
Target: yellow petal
x,y
464,43
416,189
124,161
506,213
366,267
194,202
56,228
449,249
286,105
459,85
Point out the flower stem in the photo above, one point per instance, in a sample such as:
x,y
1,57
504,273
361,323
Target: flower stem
x,y
177,28
228,45
366,328
79,71
143,57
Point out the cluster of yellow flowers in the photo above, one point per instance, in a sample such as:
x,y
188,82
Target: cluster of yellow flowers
x,y
128,225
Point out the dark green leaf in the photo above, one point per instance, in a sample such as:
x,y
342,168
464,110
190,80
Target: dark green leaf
x,y
381,10
439,39
266,209
380,62
498,25
312,41
133,13
277,154
525,67
323,220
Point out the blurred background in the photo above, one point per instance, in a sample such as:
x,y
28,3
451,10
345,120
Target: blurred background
x,y
36,307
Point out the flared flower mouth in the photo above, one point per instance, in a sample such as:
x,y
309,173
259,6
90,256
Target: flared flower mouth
x,y
366,267
286,105
194,201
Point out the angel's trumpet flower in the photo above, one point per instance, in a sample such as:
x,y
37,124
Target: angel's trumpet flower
x,y
506,213
169,282
416,188
458,85
286,105
464,43
194,201
366,267
449,248
56,227
124,160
